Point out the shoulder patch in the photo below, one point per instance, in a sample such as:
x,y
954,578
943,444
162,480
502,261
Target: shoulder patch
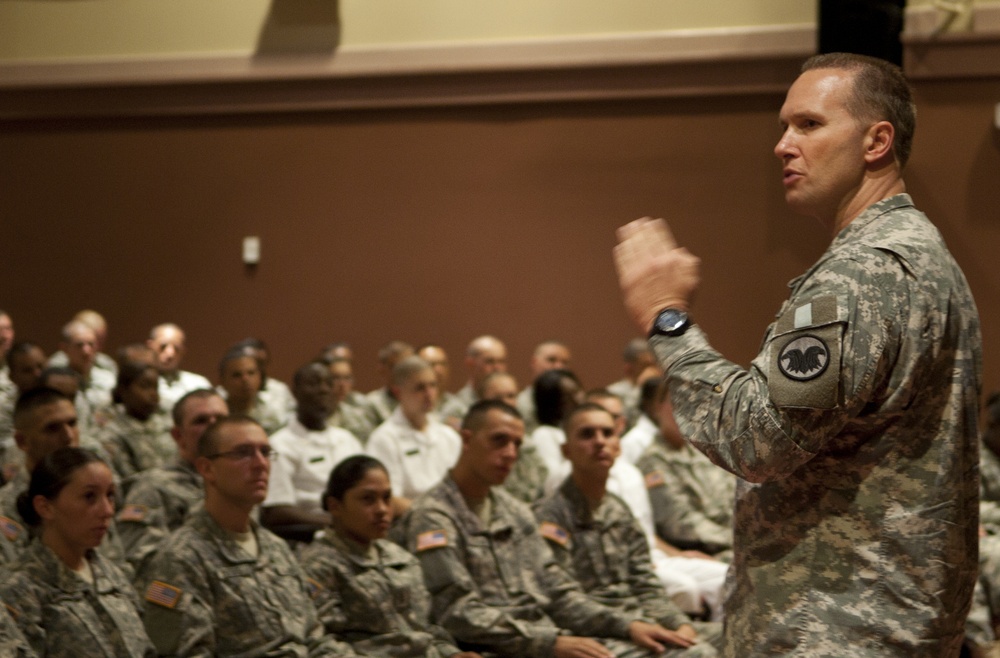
x,y
431,539
654,479
804,354
10,528
554,532
804,357
133,513
313,588
163,594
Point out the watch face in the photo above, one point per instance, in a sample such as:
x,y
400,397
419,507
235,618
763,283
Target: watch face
x,y
671,322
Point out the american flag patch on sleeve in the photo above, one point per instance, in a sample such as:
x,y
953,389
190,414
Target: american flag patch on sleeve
x,y
554,532
11,529
431,539
654,479
133,513
163,594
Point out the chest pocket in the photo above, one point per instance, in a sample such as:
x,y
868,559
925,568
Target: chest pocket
x,y
804,354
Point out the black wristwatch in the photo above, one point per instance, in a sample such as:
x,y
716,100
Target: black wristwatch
x,y
670,322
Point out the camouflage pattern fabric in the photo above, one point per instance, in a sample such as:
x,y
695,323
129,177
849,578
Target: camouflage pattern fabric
x,y
692,499
12,641
158,502
63,616
855,433
606,551
526,481
136,446
206,596
373,598
498,588
356,420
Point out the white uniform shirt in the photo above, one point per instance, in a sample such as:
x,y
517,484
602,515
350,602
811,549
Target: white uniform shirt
x,y
185,382
415,459
305,459
637,439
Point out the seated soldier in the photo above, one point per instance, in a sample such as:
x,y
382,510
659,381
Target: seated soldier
x,y
44,421
348,413
168,343
596,539
494,583
692,579
416,448
381,401
135,436
637,357
692,498
484,356
548,355
438,358
99,325
222,585
240,378
161,499
275,393
527,481
367,589
308,449
79,342
25,362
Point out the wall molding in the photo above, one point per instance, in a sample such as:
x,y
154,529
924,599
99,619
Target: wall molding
x,y
666,64
931,51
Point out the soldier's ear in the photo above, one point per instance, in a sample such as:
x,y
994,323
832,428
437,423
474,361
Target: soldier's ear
x,y
43,506
878,142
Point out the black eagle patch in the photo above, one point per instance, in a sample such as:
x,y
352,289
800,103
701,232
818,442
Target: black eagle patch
x,y
804,358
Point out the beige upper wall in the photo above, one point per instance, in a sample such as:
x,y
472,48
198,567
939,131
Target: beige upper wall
x,y
46,29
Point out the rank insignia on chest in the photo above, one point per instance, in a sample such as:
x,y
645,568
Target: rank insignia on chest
x,y
163,594
10,528
431,539
654,479
133,513
554,532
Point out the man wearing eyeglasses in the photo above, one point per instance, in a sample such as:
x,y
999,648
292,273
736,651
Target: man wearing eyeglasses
x,y
222,585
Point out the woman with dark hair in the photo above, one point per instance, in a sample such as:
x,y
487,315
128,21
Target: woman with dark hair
x,y
66,599
369,591
241,375
135,436
557,393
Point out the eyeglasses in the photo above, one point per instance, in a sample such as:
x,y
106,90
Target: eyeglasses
x,y
244,452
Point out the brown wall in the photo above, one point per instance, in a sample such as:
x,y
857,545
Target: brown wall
x,y
442,224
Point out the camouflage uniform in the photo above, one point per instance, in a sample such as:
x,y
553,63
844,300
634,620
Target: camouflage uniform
x,y
12,641
268,410
136,446
206,596
63,615
692,500
986,601
855,430
374,598
606,551
458,405
158,502
356,420
16,534
382,404
499,589
527,481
